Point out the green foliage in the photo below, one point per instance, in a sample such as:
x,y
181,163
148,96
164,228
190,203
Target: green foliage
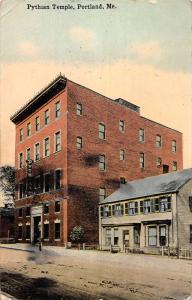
x,y
77,234
7,182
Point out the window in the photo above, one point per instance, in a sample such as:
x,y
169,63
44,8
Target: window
x,y
122,180
121,125
102,163
118,210
174,167
152,236
101,131
162,236
108,236
28,231
37,123
46,231
46,183
20,160
141,135
158,141
122,154
57,109
190,233
46,147
28,129
37,150
57,206
21,135
20,212
20,232
46,117
79,142
46,208
57,231
57,141
28,211
164,204
79,109
57,179
132,208
116,236
147,206
28,155
37,184
190,203
20,191
174,146
102,194
142,160
159,162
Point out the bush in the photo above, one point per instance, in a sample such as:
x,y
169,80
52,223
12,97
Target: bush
x,y
77,234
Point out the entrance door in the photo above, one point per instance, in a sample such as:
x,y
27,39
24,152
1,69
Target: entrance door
x,y
126,238
37,233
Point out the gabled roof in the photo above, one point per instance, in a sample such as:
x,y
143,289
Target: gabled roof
x,y
155,185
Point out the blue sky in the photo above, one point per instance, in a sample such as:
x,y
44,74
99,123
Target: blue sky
x,y
162,28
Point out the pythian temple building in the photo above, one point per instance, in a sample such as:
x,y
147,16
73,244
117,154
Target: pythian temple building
x,y
149,213
79,145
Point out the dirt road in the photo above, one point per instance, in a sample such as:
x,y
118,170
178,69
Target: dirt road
x,y
85,275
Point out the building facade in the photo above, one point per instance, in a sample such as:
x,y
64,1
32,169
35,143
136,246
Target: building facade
x,y
7,222
82,144
149,213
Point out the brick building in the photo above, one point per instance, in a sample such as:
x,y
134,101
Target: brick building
x,y
82,145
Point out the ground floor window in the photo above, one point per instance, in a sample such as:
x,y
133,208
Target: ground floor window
x,y
162,236
46,231
20,232
57,231
152,236
136,236
108,236
28,232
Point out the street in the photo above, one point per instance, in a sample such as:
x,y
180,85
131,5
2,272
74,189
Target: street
x,y
78,274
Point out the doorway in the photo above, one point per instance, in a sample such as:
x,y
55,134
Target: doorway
x,y
37,231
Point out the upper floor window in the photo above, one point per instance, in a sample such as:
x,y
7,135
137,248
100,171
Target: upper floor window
x,y
21,135
142,160
174,167
28,129
118,210
57,141
46,182
79,109
122,125
159,162
46,147
164,204
102,194
37,152
101,131
57,179
37,123
57,206
28,154
37,184
20,160
131,208
158,141
102,165
122,154
57,109
79,142
174,146
141,135
190,203
47,117
147,206
190,233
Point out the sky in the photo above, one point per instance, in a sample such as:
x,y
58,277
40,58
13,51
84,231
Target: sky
x,y
139,51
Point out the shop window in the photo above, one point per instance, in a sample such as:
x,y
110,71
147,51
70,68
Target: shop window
x,y
20,232
28,232
46,231
57,231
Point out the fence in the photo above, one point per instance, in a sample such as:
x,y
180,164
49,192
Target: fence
x,y
185,253
82,246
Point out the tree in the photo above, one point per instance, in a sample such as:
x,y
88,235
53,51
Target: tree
x,y
7,183
77,234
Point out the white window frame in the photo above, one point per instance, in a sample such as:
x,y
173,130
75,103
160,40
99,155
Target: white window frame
x,y
44,149
142,160
56,110
58,169
57,221
79,144
38,143
38,117
44,175
159,141
122,154
47,110
102,133
27,153
102,193
174,146
104,163
20,167
29,128
141,135
21,135
79,110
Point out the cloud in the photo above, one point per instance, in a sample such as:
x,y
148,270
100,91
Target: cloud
x,y
27,48
83,36
146,51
